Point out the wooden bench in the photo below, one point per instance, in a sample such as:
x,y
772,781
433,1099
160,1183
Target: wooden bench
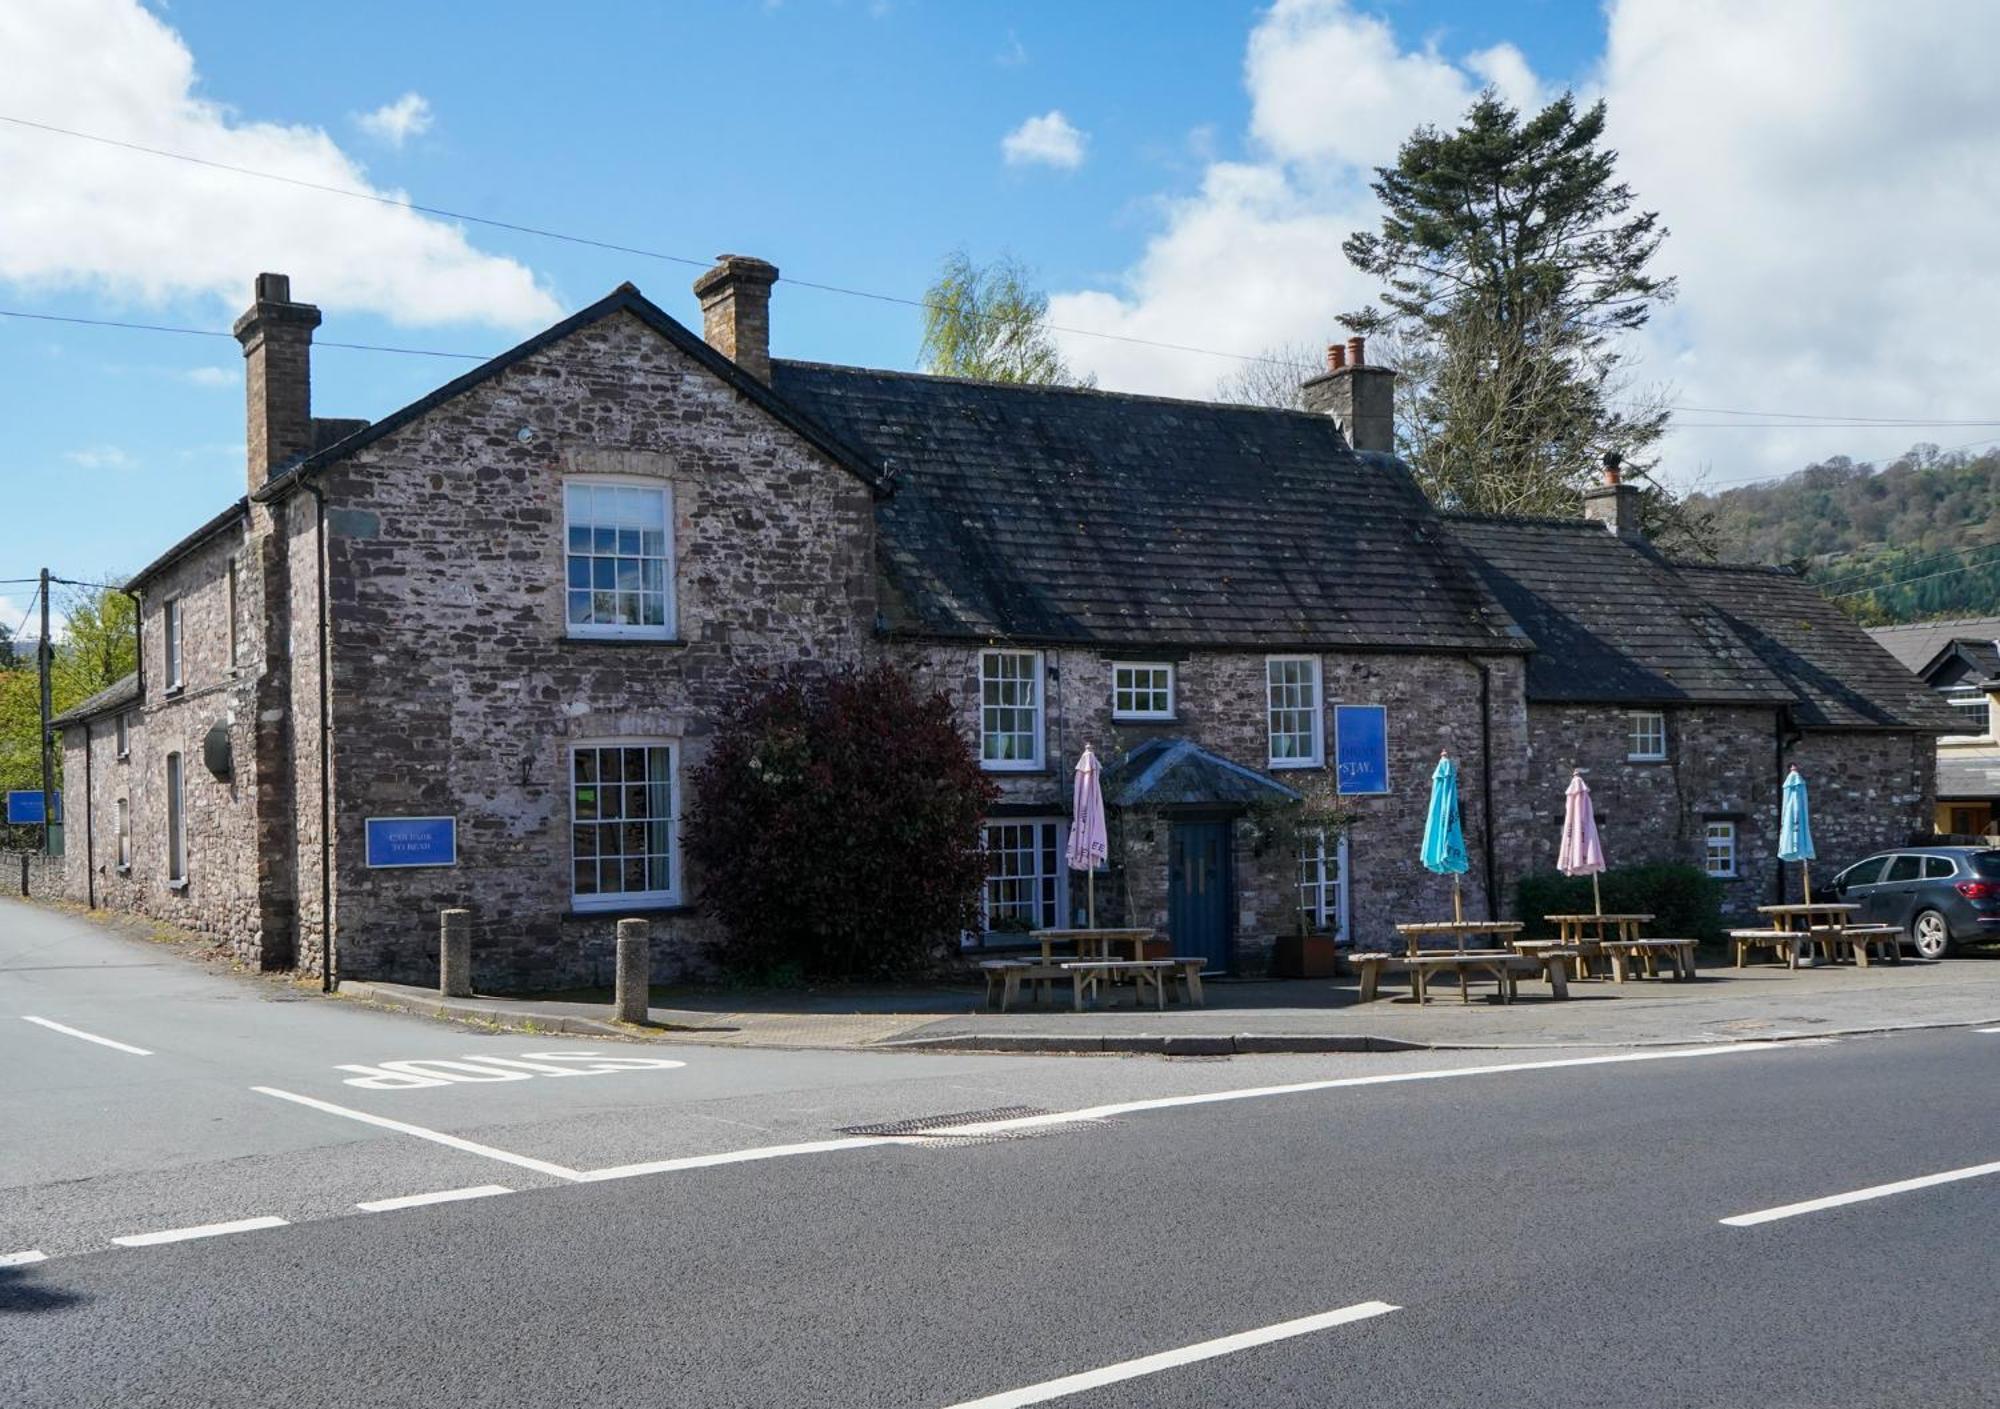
x,y
1784,944
1838,941
1186,973
1087,974
1004,978
1503,966
1679,954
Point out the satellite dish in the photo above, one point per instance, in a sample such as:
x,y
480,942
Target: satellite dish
x,y
217,753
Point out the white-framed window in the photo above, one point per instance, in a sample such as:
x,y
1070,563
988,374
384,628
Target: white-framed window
x,y
235,632
1142,690
123,820
1647,740
1292,709
170,618
624,829
1323,883
1025,874
177,858
121,732
619,558
1010,710
1718,856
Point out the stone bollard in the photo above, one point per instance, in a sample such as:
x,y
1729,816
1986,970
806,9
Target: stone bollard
x,y
455,953
635,969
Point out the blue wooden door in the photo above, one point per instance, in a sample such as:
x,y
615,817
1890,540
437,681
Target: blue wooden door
x,y
1198,883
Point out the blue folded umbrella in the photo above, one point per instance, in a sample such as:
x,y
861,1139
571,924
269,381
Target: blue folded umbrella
x,y
1795,841
1444,839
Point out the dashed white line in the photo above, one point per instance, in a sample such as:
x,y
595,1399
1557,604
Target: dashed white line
x,y
202,1230
471,1147
1171,1359
1986,1029
22,1259
87,1036
1877,1191
442,1196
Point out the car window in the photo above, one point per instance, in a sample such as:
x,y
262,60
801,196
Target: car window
x,y
1863,873
1938,868
1985,863
1904,868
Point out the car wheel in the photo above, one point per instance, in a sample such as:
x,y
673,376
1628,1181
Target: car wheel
x,y
1931,935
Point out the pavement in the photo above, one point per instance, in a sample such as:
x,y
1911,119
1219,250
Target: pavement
x,y
219,1190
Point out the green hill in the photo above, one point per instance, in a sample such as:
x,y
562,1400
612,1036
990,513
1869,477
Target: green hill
x,y
1909,541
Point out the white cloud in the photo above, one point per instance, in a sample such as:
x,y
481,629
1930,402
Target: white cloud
x,y
1012,54
212,376
1829,172
101,457
150,229
1048,140
396,123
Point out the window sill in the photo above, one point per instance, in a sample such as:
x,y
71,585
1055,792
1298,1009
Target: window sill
x,y
173,692
630,912
123,870
125,757
1645,758
1294,765
1145,719
178,886
670,643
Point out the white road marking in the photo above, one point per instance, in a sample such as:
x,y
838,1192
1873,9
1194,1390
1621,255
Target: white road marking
x,y
1878,1191
1158,1103
1170,1359
670,1166
1986,1029
22,1259
88,1036
204,1230
471,1147
442,1196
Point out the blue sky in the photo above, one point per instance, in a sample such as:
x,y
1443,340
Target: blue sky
x,y
1214,153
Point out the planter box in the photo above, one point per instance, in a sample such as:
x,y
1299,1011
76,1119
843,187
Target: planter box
x,y
1305,956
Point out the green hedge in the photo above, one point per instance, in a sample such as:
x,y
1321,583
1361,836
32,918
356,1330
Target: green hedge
x,y
1684,902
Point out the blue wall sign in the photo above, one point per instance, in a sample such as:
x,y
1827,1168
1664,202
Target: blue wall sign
x,y
1361,748
412,841
24,808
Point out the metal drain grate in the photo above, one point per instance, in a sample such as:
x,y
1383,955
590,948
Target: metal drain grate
x,y
928,1126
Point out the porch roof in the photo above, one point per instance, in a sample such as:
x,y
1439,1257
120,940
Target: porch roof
x,y
1179,772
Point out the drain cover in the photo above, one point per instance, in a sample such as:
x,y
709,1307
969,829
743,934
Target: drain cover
x,y
929,1126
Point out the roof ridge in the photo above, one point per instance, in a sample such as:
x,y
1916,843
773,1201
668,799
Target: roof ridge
x,y
1524,520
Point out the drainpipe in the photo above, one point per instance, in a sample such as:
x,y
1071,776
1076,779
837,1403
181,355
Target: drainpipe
x,y
1488,865
89,826
138,640
327,983
1784,736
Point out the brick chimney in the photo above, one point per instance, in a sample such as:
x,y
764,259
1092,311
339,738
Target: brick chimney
x,y
277,376
1360,396
1614,503
736,311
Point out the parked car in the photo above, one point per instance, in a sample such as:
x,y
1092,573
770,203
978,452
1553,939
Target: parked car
x,y
1940,896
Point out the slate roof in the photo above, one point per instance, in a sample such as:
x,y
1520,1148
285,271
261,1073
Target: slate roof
x,y
1166,772
1842,677
1919,645
1964,776
1612,621
1043,514
119,693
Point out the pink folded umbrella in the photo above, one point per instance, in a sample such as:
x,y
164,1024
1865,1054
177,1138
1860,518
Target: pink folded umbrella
x,y
1087,843
1582,854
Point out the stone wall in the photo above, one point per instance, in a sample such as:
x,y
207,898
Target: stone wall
x,y
1870,791
33,874
458,690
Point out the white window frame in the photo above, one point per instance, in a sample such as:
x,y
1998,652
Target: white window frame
x,y
1317,756
177,847
1719,830
1125,686
1037,677
235,642
1042,851
668,628
626,899
121,733
170,628
1313,883
122,831
1640,726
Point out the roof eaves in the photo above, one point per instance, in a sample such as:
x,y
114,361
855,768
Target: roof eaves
x,y
231,515
120,692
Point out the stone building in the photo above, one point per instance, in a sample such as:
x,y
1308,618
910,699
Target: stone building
x,y
502,622
1960,660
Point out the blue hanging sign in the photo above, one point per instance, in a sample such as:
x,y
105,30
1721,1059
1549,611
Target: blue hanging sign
x,y
412,841
1361,749
24,808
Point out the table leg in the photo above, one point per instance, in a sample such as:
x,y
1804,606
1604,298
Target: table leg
x,y
1010,990
1369,973
1192,977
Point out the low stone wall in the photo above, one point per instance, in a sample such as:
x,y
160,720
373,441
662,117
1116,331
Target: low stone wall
x,y
31,873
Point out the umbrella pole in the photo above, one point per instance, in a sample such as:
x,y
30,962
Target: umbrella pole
x,y
1090,891
1596,895
1457,902
1805,874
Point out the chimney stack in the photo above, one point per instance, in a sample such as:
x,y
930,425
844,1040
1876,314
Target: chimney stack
x,y
1360,396
277,376
736,311
1614,503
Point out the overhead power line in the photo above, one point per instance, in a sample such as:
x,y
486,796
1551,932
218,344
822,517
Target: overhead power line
x,y
1913,581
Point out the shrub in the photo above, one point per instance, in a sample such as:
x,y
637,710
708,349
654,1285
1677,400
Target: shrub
x,y
836,827
1684,901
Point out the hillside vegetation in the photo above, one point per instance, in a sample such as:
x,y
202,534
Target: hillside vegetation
x,y
1914,540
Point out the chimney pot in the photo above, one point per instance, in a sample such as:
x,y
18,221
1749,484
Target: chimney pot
x,y
1336,357
736,311
1361,398
1354,349
1612,460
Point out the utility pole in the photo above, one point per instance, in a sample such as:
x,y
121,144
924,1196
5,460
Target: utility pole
x,y
45,658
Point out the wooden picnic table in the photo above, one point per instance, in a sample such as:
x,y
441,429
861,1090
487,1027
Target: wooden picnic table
x,y
1092,944
1825,924
1504,966
1625,929
1457,931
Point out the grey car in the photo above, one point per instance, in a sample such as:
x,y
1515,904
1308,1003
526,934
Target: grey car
x,y
1940,896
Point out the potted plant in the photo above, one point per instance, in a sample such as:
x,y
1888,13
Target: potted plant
x,y
1310,950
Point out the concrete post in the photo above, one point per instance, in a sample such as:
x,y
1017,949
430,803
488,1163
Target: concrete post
x,y
455,953
635,955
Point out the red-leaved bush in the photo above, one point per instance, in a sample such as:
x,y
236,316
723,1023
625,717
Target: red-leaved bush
x,y
836,825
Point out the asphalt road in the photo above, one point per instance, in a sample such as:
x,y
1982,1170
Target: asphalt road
x,y
1491,1233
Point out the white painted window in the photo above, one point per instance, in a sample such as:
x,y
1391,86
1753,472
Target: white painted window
x,y
1292,704
177,859
624,843
121,729
1010,710
1025,874
1142,690
1719,849
619,558
1323,883
171,623
123,816
235,636
1647,740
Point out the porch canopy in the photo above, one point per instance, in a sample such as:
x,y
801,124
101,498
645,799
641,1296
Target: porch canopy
x,y
1179,773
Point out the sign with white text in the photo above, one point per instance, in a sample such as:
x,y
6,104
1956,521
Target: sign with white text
x,y
24,808
1361,749
412,841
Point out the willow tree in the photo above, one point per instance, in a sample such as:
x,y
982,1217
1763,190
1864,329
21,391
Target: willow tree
x,y
990,323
